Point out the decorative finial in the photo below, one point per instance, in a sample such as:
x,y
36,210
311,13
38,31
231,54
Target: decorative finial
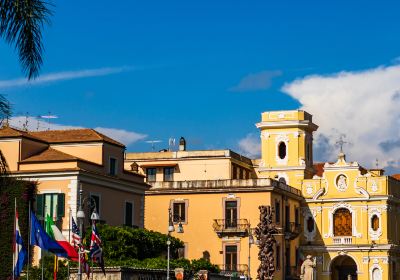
x,y
341,142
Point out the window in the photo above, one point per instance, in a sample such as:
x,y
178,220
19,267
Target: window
x,y
296,216
287,217
234,172
241,173
168,174
96,200
342,222
231,214
151,174
375,222
231,258
277,212
310,224
52,204
282,150
278,257
113,166
179,212
129,214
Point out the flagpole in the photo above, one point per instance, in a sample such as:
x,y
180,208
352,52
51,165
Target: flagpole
x,y
41,250
29,239
69,237
14,245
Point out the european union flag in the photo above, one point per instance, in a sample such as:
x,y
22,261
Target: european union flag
x,y
40,238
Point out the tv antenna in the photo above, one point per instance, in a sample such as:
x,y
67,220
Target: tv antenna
x,y
152,142
48,118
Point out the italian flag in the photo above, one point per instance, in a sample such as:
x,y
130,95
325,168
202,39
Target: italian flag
x,y
56,234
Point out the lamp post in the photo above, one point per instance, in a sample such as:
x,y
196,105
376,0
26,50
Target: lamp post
x,y
80,215
251,241
171,228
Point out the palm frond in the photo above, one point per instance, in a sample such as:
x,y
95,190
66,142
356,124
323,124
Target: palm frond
x,y
5,109
21,24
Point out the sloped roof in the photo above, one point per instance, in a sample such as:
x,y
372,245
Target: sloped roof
x,y
396,176
7,131
49,155
319,168
74,136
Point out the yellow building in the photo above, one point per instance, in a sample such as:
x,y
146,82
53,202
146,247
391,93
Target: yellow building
x,y
63,161
348,214
215,196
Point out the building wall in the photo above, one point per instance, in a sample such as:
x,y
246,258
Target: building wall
x,y
10,149
199,234
88,151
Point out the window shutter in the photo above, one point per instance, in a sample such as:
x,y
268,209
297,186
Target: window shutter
x,y
61,205
39,205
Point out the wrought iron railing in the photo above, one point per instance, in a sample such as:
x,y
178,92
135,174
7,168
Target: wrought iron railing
x,y
342,240
292,230
229,226
234,269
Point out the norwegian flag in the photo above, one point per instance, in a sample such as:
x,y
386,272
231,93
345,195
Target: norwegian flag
x,y
76,236
96,253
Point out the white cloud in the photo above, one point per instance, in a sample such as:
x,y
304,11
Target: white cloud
x,y
63,76
362,105
256,81
33,124
250,146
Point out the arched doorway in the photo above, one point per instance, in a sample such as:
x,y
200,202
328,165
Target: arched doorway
x,y
342,267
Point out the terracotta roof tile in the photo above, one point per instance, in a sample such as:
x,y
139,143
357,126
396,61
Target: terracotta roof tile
x,y
49,155
396,176
74,136
7,131
319,168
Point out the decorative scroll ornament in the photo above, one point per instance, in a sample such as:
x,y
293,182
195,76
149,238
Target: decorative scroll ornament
x,y
264,233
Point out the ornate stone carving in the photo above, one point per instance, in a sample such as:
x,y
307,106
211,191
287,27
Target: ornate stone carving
x,y
264,233
341,183
374,186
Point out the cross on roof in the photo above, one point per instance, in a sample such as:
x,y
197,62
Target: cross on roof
x,y
341,142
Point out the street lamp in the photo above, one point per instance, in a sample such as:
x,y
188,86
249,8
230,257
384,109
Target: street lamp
x,y
80,215
171,228
251,241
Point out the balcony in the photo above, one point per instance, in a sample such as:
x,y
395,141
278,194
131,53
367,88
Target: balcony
x,y
292,230
342,240
292,273
231,227
234,270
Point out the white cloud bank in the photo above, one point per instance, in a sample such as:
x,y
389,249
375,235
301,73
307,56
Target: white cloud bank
x,y
250,146
364,105
33,124
63,76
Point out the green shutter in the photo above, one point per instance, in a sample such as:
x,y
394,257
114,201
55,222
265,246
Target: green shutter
x,y
61,205
39,205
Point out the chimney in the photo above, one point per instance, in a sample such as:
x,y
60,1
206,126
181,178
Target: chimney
x,y
182,144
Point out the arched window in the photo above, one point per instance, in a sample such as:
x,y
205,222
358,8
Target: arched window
x,y
342,222
310,224
282,150
376,274
375,222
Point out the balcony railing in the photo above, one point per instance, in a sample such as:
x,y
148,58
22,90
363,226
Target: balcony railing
x,y
342,240
292,230
234,269
292,272
231,227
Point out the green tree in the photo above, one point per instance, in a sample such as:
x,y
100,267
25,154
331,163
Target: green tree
x,y
21,25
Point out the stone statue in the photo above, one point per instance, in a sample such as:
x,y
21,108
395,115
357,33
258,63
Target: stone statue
x,y
308,268
264,233
342,183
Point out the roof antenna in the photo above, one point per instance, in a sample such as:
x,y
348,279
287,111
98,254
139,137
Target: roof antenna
x,y
26,123
152,142
48,118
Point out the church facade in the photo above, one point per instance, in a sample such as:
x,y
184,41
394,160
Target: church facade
x,y
350,215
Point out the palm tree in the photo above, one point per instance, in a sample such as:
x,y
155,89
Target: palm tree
x,y
21,24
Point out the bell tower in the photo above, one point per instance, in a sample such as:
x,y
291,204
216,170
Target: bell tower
x,y
286,146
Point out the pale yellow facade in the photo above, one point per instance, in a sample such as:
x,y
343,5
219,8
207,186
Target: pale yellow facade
x,y
61,168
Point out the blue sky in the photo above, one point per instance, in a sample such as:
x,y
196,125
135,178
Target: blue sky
x,y
200,69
